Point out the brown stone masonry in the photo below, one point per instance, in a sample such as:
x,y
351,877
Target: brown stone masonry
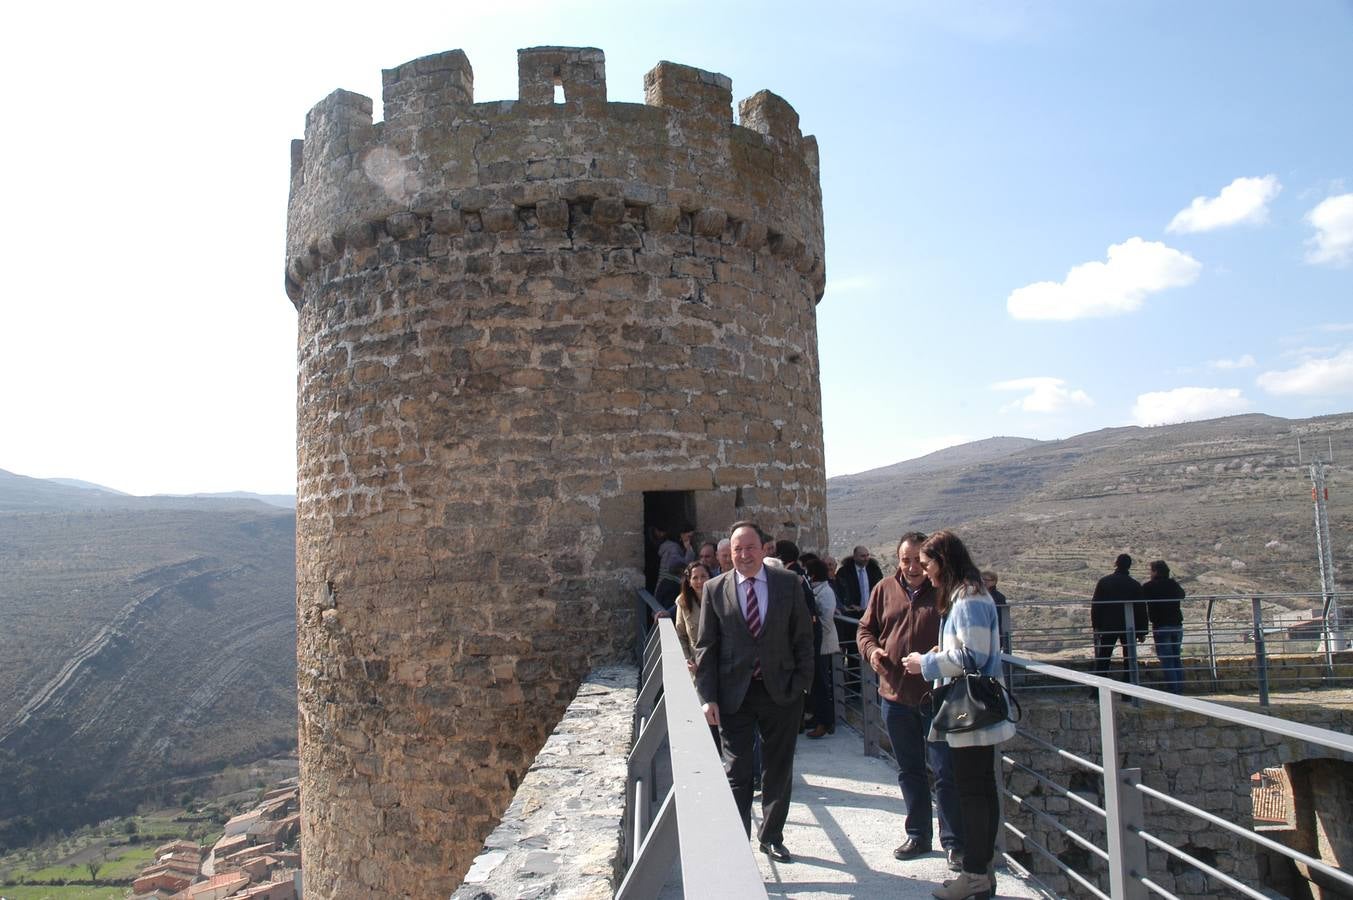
x,y
514,319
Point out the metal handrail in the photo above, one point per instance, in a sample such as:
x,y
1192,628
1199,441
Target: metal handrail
x,y
1127,835
695,819
1268,646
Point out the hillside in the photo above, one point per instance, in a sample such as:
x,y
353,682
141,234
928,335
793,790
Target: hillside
x,y
1224,501
140,638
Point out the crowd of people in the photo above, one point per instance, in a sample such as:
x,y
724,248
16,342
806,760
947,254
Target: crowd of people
x,y
756,619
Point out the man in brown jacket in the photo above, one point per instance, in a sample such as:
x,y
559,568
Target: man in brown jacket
x,y
902,618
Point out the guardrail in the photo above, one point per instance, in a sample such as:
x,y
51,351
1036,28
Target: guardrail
x,y
677,802
1229,642
1126,824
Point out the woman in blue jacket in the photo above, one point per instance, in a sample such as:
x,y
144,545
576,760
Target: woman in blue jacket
x,y
970,627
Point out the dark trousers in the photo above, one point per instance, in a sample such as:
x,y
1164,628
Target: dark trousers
x,y
779,729
1104,642
824,691
1168,639
975,770
907,729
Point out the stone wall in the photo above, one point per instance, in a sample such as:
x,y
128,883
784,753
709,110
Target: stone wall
x,y
1192,758
515,318
562,835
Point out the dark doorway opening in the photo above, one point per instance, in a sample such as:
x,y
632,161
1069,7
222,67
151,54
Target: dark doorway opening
x,y
666,513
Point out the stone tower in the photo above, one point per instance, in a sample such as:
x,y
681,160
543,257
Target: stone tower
x,y
521,324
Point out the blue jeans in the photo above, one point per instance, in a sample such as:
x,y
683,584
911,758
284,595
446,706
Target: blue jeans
x,y
907,729
1168,640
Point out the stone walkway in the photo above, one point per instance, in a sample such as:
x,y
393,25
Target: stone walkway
x,y
845,820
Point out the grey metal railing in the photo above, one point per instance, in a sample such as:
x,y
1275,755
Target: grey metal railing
x,y
1128,835
1231,643
678,803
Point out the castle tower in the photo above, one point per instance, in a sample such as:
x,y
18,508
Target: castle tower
x,y
522,325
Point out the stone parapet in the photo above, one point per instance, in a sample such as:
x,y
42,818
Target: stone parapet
x,y
562,835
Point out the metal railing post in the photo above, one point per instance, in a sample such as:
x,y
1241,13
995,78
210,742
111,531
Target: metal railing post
x,y
1130,643
640,629
869,708
839,685
1260,651
1211,643
1127,850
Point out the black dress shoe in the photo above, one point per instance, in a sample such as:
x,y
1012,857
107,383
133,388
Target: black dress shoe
x,y
955,859
776,850
911,848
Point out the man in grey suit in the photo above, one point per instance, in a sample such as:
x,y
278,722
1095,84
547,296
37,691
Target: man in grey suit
x,y
753,667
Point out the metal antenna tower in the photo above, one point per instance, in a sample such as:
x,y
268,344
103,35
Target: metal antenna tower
x,y
1334,636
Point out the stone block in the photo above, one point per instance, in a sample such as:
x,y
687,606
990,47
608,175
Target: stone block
x,y
608,210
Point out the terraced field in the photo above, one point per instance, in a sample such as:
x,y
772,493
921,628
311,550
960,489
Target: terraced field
x,y
140,639
1226,502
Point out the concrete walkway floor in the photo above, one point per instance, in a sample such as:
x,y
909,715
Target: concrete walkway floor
x,y
845,820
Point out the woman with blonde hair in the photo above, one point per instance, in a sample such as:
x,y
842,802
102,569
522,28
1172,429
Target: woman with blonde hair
x,y
970,631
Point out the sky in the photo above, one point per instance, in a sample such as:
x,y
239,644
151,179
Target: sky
x,y
1042,218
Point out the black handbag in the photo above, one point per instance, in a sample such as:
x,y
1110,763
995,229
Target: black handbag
x,y
972,701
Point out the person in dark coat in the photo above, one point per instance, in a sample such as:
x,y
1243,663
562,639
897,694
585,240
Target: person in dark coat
x,y
855,580
1162,594
990,580
1107,617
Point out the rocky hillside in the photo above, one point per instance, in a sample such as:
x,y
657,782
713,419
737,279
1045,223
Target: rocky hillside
x,y
1224,501
140,638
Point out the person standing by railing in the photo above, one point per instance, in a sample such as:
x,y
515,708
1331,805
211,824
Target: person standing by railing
x,y
822,698
903,617
990,579
1108,618
971,629
1162,594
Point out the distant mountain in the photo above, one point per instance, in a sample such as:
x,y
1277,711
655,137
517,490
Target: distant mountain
x,y
20,493
88,485
1224,501
282,501
141,638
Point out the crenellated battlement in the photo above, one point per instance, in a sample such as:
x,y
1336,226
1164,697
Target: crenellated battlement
x,y
440,156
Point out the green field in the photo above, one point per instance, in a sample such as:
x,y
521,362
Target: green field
x,y
66,860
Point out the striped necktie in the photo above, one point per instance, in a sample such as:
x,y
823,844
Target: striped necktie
x,y
754,621
753,609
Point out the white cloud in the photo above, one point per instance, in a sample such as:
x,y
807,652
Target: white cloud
x,y
1244,362
1134,269
1332,220
1321,376
1187,404
1242,202
1044,395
